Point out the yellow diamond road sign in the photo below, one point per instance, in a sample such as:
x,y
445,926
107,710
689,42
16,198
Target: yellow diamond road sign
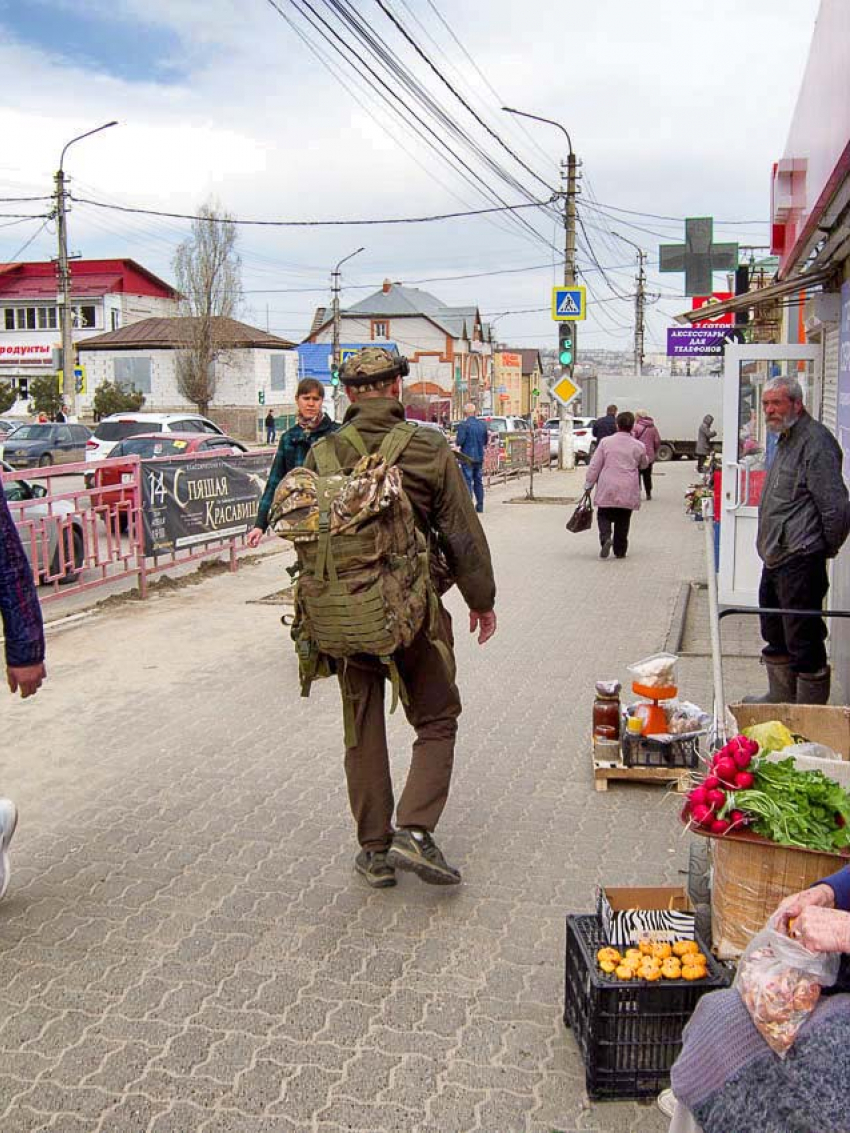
x,y
565,390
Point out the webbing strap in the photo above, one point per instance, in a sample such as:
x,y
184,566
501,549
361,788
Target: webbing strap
x,y
325,457
396,441
350,434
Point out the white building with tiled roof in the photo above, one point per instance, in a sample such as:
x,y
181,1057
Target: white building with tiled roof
x,y
448,350
255,372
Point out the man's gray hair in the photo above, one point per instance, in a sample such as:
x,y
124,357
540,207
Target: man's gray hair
x,y
791,385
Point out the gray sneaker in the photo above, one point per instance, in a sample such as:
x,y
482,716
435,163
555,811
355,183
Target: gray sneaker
x,y
8,822
416,851
372,864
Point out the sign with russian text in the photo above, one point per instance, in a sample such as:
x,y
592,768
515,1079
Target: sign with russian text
x,y
700,301
187,502
691,342
38,354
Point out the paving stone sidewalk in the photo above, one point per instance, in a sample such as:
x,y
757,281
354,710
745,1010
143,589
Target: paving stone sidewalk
x,y
185,946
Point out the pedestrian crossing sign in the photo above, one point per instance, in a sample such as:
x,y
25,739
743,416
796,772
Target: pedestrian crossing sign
x,y
569,303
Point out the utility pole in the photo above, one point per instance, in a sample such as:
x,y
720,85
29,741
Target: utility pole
x,y
566,452
335,367
63,299
640,302
640,309
69,385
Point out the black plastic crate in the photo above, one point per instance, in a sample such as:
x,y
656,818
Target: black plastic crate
x,y
640,751
629,1032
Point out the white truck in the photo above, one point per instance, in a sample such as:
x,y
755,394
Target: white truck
x,y
677,405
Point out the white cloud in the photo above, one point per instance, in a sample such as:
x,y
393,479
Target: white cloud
x,y
674,108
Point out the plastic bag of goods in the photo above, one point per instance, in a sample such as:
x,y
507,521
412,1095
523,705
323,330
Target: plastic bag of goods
x,y
780,983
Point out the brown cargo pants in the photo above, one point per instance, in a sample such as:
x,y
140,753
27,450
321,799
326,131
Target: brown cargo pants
x,y
432,710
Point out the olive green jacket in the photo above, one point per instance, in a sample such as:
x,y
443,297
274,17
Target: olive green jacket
x,y
436,490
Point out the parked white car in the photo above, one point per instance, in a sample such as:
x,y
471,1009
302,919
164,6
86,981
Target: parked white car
x,y
582,437
50,522
505,424
118,426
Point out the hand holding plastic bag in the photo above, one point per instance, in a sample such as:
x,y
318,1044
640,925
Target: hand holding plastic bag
x,y
791,907
780,981
822,930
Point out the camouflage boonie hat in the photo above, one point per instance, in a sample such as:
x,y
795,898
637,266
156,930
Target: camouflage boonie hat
x,y
369,365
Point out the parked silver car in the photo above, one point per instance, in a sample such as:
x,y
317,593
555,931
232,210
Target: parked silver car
x,y
45,529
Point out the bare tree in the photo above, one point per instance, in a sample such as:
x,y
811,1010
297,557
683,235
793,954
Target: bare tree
x,y
208,270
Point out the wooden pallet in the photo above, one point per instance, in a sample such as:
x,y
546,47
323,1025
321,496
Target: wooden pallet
x,y
677,775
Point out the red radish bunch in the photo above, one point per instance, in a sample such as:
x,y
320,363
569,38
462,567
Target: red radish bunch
x,y
708,803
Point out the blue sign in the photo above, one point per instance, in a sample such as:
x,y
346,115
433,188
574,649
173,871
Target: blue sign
x,y
569,304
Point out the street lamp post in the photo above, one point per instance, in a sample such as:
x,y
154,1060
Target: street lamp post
x,y
566,452
337,389
69,385
640,302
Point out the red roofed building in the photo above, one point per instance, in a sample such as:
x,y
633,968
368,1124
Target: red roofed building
x,y
105,295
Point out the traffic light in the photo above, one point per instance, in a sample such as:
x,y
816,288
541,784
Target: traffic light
x,y
566,344
335,375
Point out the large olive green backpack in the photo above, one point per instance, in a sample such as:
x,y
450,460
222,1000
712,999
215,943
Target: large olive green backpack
x,y
362,578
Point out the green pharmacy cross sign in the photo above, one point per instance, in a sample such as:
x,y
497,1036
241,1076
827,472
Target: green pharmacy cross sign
x,y
699,257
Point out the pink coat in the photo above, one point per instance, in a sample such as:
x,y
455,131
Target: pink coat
x,y
646,432
614,471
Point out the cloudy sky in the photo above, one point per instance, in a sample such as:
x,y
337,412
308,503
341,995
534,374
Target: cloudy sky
x,y
319,110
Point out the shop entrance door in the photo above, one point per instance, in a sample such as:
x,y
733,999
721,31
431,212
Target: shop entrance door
x,y
748,449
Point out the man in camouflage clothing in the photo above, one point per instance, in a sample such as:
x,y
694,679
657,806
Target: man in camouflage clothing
x,y
444,512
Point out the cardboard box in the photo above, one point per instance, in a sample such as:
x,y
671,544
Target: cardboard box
x,y
632,914
824,724
751,875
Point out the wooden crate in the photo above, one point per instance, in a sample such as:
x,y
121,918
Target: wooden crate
x,y
678,775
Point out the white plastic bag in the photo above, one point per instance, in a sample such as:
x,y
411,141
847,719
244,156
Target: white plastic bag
x,y
780,981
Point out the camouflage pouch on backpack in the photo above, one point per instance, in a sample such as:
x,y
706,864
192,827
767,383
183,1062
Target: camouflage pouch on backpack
x,y
363,582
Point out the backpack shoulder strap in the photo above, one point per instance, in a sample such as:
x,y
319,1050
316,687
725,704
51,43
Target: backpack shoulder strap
x,y
324,453
396,441
350,434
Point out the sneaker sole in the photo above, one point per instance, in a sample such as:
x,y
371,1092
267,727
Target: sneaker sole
x,y
375,882
5,867
424,870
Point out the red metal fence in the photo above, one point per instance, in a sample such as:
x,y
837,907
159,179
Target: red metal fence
x,y
510,454
78,538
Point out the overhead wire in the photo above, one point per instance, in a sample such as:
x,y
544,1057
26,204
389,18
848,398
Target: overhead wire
x,y
406,79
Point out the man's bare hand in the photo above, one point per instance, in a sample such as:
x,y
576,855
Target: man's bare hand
x,y
27,679
484,623
255,536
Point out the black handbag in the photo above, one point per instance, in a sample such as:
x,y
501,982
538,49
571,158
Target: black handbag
x,y
582,517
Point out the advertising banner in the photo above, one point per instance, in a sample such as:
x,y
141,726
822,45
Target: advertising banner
x,y
188,502
687,342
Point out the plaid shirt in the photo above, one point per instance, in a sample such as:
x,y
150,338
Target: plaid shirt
x,y
292,450
19,605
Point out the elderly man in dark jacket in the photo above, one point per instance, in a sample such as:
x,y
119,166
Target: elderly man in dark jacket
x,y
444,512
804,518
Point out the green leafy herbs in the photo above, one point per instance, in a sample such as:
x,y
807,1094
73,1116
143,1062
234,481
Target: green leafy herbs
x,y
796,808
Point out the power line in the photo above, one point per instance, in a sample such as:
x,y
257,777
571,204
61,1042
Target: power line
x,y
27,243
306,223
678,219
493,134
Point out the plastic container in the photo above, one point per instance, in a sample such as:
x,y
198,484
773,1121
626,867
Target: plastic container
x,y
629,1033
656,673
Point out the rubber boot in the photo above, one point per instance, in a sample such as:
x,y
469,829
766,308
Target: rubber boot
x,y
781,683
813,688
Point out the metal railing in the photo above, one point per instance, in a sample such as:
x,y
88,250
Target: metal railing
x,y
79,538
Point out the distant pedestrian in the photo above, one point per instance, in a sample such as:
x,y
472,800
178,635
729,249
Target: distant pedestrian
x,y
24,647
614,469
271,430
704,437
471,440
43,419
60,418
605,426
646,432
312,424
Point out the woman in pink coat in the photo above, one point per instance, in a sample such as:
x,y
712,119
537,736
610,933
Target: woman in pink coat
x,y
614,469
646,432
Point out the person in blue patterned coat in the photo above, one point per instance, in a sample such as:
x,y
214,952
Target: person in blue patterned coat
x,y
23,631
